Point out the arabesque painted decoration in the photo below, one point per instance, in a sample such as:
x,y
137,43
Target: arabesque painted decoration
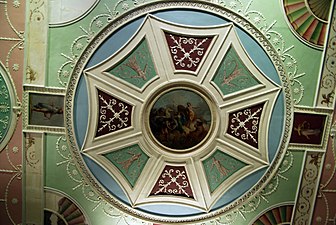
x,y
187,52
220,166
12,61
5,108
244,124
114,114
173,180
136,75
138,68
130,161
232,75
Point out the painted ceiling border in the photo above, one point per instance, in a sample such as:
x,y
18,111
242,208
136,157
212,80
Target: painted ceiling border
x,y
310,189
276,39
325,94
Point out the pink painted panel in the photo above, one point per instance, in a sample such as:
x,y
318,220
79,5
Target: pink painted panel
x,y
12,24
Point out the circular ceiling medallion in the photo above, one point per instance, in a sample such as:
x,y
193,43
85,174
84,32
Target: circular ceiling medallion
x,y
180,119
176,113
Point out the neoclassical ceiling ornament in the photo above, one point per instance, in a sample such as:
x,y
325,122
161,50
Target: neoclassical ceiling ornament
x,y
61,209
9,107
67,12
179,115
309,19
278,215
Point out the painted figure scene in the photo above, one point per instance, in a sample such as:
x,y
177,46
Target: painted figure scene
x,y
46,110
180,119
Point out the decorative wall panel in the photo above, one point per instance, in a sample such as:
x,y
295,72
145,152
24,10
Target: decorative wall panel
x,y
326,91
12,32
323,211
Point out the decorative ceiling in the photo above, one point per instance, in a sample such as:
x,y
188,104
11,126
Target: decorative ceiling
x,y
167,112
175,124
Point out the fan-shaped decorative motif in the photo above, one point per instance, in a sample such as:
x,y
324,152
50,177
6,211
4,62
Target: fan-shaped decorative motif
x,y
61,210
279,215
70,212
320,8
309,19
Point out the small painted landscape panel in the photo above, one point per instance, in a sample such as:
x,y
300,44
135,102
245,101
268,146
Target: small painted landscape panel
x,y
308,128
219,167
130,161
180,119
46,109
232,75
173,181
137,68
187,52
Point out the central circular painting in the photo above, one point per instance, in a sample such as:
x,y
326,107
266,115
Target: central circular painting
x,y
174,119
180,119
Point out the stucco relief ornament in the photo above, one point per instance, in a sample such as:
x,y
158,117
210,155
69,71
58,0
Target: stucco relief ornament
x,y
177,116
10,107
173,181
187,52
16,3
243,9
113,114
240,129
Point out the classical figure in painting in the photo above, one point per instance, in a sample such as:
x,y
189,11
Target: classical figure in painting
x,y
48,110
180,126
